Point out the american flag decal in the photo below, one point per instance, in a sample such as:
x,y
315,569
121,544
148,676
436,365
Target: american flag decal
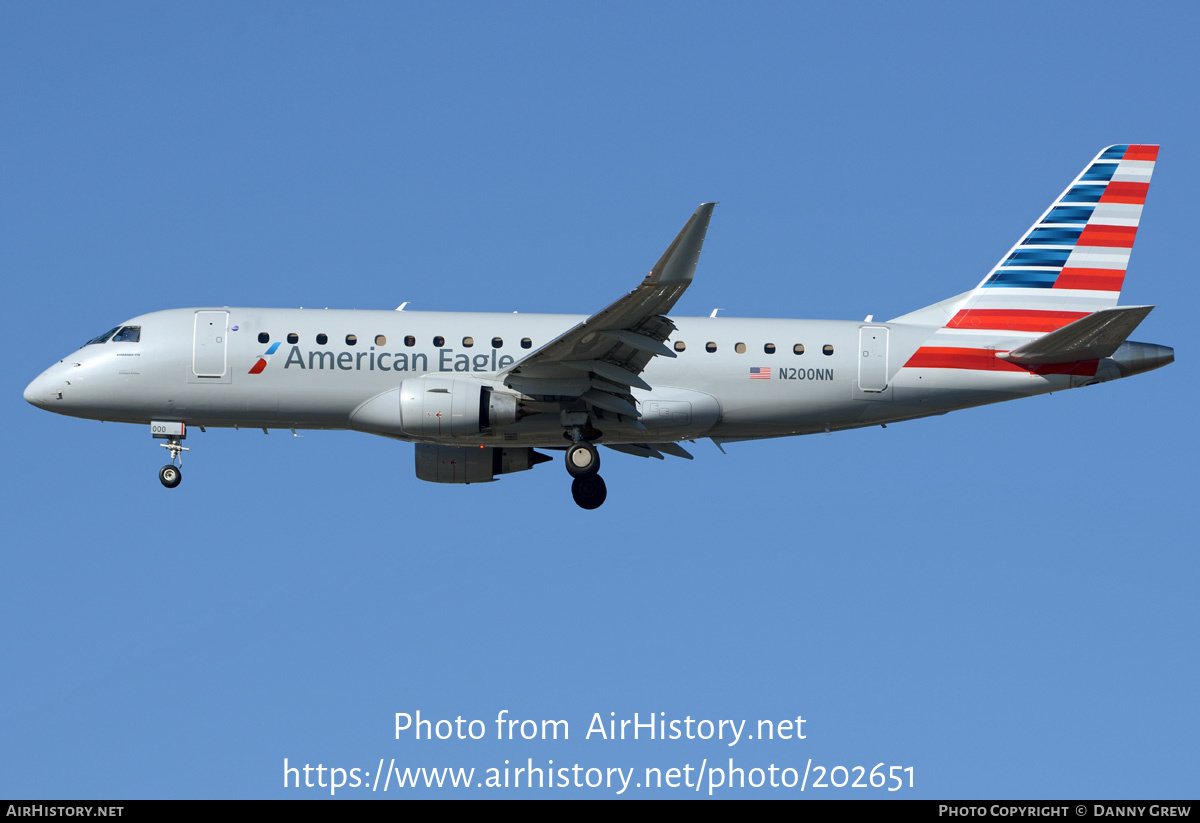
x,y
757,373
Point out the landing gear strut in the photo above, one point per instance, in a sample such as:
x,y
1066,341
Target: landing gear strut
x,y
171,474
583,463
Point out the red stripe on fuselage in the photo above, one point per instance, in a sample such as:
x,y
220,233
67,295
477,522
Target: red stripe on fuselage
x,y
1013,319
259,366
935,357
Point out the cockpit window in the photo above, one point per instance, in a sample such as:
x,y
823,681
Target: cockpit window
x,y
102,338
128,334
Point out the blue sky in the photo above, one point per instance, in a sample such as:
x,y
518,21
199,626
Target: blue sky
x,y
1002,598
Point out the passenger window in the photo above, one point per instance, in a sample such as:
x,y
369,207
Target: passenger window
x,y
827,350
526,343
411,341
352,340
468,342
263,337
322,339
439,341
293,338
798,348
680,345
497,342
769,348
740,348
710,347
129,334
380,340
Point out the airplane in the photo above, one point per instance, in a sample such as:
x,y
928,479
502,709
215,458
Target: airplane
x,y
480,393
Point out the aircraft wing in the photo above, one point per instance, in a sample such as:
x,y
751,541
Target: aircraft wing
x,y
601,359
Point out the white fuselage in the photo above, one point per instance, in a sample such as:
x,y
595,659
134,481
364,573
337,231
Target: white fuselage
x,y
708,389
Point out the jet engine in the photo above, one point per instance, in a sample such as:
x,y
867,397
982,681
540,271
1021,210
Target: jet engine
x,y
434,407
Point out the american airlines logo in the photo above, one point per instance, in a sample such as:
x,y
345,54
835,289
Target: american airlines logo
x,y
371,360
263,359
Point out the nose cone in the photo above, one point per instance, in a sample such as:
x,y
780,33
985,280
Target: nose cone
x,y
33,393
43,391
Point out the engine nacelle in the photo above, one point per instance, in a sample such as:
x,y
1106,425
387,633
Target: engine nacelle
x,y
440,407
435,407
467,464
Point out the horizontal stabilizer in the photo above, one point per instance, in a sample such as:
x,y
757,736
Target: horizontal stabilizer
x,y
1089,338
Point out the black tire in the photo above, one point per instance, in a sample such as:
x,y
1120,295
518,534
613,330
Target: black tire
x,y
582,460
170,476
589,492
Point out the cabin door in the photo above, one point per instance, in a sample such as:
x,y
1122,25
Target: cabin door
x,y
873,356
209,343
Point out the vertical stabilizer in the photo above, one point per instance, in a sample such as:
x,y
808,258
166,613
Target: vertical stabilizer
x,y
1071,262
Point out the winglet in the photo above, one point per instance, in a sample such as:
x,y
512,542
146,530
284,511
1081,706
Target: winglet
x,y
678,263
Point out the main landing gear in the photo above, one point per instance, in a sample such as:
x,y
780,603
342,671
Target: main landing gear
x,y
583,463
589,492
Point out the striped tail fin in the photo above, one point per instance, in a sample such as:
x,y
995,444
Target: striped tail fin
x,y
1072,261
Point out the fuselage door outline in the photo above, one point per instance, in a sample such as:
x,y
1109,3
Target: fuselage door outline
x,y
873,358
209,344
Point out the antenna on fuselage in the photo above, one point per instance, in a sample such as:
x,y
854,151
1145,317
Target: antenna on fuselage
x,y
401,306
714,312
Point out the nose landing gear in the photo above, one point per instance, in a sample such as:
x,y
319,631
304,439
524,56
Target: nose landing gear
x,y
171,474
